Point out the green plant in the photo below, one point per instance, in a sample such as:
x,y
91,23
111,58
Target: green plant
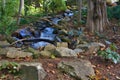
x,y
110,53
7,12
57,5
10,67
113,12
109,13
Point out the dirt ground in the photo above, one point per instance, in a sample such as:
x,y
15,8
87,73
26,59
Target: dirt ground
x,y
105,70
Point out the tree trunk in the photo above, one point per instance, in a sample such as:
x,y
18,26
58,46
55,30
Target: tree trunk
x,y
21,7
4,3
97,15
79,2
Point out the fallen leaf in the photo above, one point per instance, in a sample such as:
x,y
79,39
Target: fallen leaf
x,y
117,77
52,71
51,65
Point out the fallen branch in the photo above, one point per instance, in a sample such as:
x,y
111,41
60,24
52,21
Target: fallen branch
x,y
29,40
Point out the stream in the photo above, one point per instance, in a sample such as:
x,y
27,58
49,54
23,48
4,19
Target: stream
x,y
41,34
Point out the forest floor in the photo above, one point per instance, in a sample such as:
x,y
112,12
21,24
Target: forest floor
x,y
105,70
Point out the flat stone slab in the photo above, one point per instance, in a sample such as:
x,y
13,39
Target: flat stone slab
x,y
15,53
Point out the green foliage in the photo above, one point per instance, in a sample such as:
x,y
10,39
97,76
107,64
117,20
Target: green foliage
x,y
109,12
113,47
32,10
7,13
57,5
45,6
110,53
10,67
116,12
84,16
113,12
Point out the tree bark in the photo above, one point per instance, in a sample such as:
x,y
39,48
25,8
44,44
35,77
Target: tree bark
x,y
97,15
79,2
21,7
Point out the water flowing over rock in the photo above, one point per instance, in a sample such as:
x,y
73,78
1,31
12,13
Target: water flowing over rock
x,y
79,69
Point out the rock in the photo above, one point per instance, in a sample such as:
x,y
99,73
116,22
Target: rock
x,y
91,47
94,47
35,53
63,32
79,69
15,53
78,51
46,53
62,44
3,62
3,43
29,49
83,46
49,47
29,70
48,50
3,51
2,37
32,71
64,52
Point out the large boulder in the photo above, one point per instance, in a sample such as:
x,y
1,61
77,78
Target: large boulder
x,y
32,71
79,69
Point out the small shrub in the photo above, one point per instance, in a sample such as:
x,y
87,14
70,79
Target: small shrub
x,y
110,54
10,67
